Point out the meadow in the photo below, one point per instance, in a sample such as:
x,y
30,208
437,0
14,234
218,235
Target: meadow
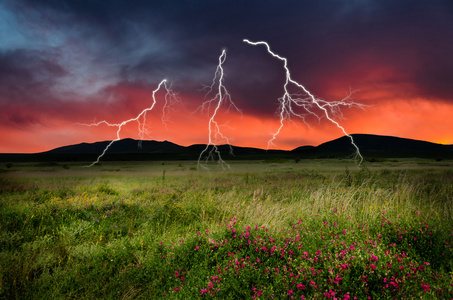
x,y
312,229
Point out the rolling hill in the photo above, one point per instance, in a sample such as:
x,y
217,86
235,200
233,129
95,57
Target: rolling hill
x,y
380,146
371,146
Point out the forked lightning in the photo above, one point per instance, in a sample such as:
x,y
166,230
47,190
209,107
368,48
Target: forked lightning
x,y
170,96
221,97
309,103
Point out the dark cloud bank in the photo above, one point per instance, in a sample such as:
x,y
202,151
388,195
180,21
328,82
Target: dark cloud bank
x,y
327,43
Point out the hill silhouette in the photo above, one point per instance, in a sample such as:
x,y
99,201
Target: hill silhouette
x,y
381,146
371,146
131,146
126,146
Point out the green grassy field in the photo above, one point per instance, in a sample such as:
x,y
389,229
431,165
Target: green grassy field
x,y
262,230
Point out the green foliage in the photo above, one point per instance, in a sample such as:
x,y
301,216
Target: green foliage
x,y
252,233
106,189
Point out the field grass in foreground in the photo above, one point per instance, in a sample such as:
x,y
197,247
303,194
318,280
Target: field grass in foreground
x,y
314,229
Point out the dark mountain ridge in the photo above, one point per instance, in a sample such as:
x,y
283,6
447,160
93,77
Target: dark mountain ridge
x,y
380,146
130,149
127,146
366,142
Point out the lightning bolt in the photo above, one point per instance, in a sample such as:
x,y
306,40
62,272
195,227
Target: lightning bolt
x,y
288,101
221,97
170,97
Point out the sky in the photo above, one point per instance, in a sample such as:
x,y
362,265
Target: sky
x,y
65,62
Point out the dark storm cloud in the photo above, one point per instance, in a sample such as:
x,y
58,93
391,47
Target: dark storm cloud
x,y
324,41
25,78
27,74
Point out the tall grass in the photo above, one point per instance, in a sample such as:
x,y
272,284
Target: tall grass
x,y
244,234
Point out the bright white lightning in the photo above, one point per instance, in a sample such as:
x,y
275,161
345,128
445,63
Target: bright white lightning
x,y
222,96
170,97
310,102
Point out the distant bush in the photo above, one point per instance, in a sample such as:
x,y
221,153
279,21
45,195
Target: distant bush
x,y
374,159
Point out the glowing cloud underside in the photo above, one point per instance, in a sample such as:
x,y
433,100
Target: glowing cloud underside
x,y
211,152
308,103
170,97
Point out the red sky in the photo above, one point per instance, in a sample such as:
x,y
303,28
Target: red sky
x,y
75,62
410,118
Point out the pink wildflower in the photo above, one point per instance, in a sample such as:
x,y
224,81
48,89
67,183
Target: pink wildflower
x,y
425,287
300,286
